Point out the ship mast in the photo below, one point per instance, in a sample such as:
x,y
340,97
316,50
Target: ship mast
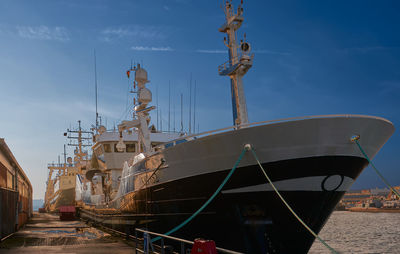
x,y
240,61
82,138
141,112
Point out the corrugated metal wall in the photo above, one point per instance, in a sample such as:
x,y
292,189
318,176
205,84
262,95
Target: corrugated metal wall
x,y
8,211
23,211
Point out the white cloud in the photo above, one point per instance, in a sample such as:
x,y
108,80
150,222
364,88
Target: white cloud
x,y
270,52
43,33
211,51
141,48
136,31
262,51
366,49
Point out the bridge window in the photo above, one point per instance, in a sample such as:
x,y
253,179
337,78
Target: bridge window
x,y
130,148
107,148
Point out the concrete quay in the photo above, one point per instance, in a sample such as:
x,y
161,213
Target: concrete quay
x,y
45,233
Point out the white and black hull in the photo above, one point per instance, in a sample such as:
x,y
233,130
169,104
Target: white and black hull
x,y
311,161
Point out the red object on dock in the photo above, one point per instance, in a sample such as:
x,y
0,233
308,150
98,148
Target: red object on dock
x,y
67,212
202,246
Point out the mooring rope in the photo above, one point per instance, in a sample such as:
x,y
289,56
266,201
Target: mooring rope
x,y
208,201
355,139
288,206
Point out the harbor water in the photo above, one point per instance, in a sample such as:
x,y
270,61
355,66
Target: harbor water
x,y
358,232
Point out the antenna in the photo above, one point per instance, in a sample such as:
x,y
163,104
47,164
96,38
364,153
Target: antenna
x,y
194,107
161,120
65,155
169,105
181,112
95,88
173,105
157,106
190,104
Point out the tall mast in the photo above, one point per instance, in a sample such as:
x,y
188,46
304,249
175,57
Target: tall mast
x,y
158,127
174,113
240,61
79,139
169,105
190,104
65,155
95,90
181,112
194,107
141,113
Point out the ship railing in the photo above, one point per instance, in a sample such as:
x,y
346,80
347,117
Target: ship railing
x,y
59,165
146,239
242,126
230,65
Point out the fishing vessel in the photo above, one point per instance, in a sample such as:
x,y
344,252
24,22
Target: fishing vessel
x,y
66,183
60,190
311,160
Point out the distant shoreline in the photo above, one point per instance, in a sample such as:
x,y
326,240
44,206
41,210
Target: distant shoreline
x,y
373,210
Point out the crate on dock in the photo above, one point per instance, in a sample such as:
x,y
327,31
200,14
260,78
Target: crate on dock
x,y
67,212
202,246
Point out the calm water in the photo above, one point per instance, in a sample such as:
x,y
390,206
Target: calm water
x,y
349,232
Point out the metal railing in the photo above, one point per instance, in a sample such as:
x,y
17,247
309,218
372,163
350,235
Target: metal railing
x,y
236,60
182,242
60,165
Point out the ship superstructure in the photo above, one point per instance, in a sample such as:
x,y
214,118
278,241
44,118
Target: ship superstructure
x,y
113,147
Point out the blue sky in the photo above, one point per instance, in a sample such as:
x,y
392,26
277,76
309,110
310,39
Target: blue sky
x,y
311,58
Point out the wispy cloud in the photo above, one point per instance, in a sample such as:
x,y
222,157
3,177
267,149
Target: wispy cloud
x,y
142,48
366,49
211,51
43,33
262,51
137,31
166,8
390,87
271,52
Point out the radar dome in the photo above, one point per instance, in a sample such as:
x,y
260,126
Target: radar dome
x,y
141,75
102,129
245,47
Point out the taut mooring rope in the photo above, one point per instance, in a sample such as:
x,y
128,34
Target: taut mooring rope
x,y
355,139
208,201
288,206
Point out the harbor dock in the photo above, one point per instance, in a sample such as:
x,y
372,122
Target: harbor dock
x,y
45,233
